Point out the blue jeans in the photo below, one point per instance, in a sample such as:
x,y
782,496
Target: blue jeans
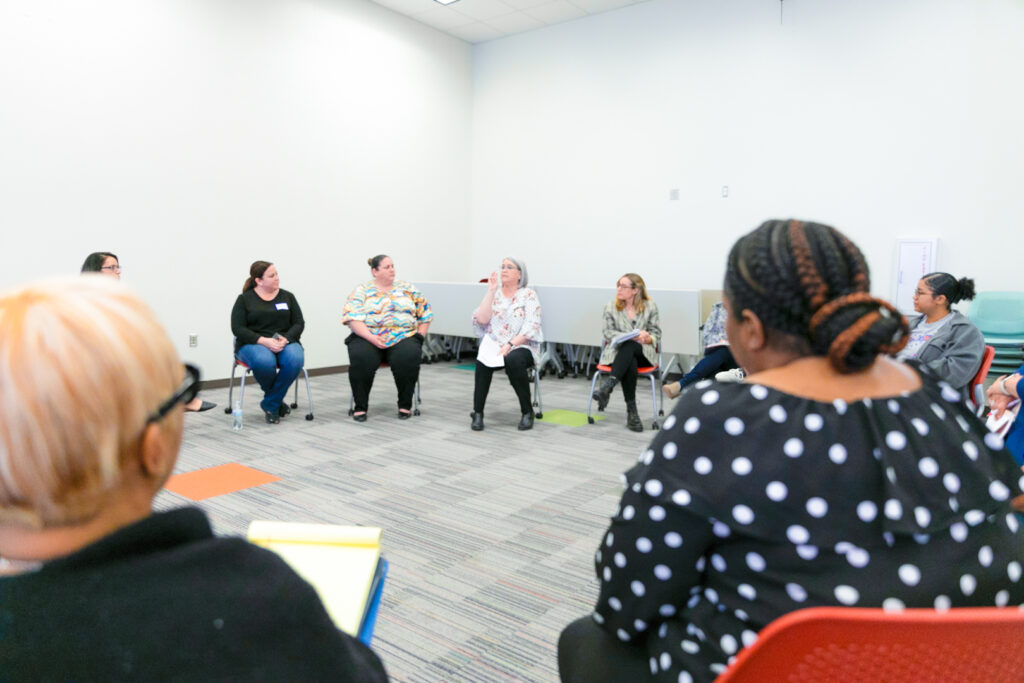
x,y
274,371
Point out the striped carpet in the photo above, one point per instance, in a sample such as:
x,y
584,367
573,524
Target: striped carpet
x,y
490,535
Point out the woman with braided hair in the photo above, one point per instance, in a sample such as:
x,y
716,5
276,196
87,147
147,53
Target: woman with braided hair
x,y
833,475
942,339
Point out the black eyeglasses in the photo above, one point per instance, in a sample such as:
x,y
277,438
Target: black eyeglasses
x,y
186,391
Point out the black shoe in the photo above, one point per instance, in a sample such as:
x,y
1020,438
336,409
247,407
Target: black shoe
x,y
359,418
206,405
283,410
272,418
526,422
404,416
604,392
633,421
478,422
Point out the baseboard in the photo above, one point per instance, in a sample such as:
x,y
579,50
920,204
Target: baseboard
x,y
313,372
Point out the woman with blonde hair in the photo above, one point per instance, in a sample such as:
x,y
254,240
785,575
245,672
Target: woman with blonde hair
x,y
632,312
95,585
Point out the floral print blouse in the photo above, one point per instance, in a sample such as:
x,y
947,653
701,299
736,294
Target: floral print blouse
x,y
511,316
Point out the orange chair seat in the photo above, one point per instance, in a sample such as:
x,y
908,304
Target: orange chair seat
x,y
646,370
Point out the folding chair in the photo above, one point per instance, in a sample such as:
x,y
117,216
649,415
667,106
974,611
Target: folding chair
x,y
966,644
976,389
241,391
650,372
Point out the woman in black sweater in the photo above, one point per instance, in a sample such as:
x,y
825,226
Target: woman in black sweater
x,y
267,323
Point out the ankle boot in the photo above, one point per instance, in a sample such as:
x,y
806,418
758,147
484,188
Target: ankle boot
x,y
526,421
604,391
633,421
478,422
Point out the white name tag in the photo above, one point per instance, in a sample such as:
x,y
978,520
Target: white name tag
x,y
281,306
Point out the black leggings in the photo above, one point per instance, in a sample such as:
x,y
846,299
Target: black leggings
x,y
629,357
517,362
364,358
588,654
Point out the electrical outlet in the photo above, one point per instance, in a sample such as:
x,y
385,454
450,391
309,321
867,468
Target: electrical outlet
x,y
193,340
673,194
725,190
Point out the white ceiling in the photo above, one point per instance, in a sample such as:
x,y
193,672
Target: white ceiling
x,y
478,20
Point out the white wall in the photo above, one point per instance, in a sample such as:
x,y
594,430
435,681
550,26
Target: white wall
x,y
885,118
192,137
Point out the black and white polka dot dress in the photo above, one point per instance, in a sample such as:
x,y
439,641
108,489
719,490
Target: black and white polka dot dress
x,y
751,503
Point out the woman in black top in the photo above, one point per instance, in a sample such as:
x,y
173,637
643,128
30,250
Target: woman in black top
x,y
833,475
95,586
267,323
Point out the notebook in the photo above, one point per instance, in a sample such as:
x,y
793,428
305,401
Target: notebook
x,y
342,563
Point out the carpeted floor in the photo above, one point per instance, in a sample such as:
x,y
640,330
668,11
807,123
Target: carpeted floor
x,y
490,535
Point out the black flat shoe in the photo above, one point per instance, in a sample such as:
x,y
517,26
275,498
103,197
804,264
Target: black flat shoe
x,y
526,422
359,418
478,422
404,416
284,410
272,418
206,405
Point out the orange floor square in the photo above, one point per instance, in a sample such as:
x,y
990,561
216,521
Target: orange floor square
x,y
216,481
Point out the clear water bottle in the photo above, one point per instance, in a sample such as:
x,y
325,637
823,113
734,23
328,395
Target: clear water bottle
x,y
236,416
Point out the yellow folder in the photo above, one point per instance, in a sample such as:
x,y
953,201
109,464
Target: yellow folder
x,y
339,561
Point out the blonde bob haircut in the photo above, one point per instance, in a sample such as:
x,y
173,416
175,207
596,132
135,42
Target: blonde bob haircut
x,y
83,363
640,298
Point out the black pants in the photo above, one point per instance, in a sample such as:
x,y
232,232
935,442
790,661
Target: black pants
x,y
629,357
517,362
589,654
364,358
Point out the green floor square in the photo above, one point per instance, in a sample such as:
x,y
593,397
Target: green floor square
x,y
465,366
568,418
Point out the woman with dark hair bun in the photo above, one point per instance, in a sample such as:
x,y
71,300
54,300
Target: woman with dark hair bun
x,y
832,475
267,323
942,339
388,319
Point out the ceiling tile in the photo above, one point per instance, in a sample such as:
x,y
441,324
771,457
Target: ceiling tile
x,y
482,10
524,4
442,17
517,22
557,11
476,32
598,6
408,7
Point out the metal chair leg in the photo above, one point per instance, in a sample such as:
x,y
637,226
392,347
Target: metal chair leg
x,y
590,395
231,390
309,395
654,400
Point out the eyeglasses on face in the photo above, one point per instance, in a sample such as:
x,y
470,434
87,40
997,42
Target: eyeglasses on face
x,y
920,292
113,269
622,286
508,266
186,391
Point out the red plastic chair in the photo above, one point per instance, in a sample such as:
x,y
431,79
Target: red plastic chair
x,y
966,645
650,372
976,389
